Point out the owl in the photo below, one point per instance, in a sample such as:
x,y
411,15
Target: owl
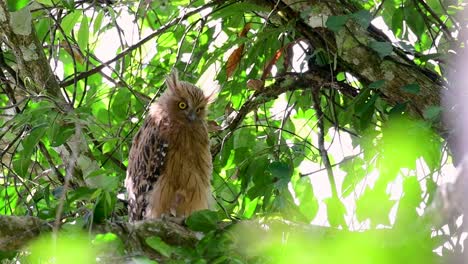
x,y
169,165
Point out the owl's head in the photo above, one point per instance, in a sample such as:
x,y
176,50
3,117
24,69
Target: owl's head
x,y
185,101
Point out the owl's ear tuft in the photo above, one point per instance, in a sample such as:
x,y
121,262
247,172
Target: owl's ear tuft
x,y
212,93
172,80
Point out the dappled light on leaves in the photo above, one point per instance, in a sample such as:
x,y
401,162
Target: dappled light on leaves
x,y
404,141
328,140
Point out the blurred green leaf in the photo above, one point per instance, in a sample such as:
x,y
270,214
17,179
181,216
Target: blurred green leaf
x,y
412,88
336,212
335,23
355,172
70,4
70,20
15,5
308,204
363,18
375,205
67,248
83,33
204,221
397,21
160,246
281,173
432,113
382,48
98,21
377,84
23,160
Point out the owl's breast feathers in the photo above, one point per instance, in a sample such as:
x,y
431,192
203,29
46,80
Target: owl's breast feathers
x,y
169,168
146,163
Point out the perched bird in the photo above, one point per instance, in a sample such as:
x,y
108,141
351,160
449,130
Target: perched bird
x,y
169,165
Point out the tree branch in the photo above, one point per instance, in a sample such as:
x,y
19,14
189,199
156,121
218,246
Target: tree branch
x,y
288,82
321,140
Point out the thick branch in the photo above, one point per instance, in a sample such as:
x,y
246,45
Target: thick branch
x,y
17,231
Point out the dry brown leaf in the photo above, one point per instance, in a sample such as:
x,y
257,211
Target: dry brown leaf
x,y
235,57
270,64
234,60
245,30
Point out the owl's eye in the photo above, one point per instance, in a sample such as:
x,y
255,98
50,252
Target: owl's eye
x,y
198,110
182,105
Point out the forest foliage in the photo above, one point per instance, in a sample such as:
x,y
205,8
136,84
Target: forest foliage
x,y
298,135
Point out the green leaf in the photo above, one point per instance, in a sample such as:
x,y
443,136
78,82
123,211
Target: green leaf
x,y
83,33
363,18
377,84
59,133
120,104
110,242
398,109
204,221
250,207
70,4
157,244
375,205
382,48
238,9
23,160
366,112
414,20
15,5
432,113
397,21
335,23
411,199
104,206
69,21
80,193
355,172
308,204
98,21
341,76
336,212
281,173
45,2
412,88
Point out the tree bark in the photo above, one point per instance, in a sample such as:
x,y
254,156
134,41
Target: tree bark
x,y
18,34
350,45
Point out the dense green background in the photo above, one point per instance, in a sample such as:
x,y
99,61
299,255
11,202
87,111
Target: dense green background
x,y
256,163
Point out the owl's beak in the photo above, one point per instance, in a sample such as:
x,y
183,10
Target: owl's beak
x,y
192,116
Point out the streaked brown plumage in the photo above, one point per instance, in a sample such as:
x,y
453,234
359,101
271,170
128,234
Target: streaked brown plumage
x,y
169,166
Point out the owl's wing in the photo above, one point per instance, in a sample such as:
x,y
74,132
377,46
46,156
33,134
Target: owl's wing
x,y
145,164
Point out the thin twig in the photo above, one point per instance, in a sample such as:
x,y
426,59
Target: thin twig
x,y
321,140
158,32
